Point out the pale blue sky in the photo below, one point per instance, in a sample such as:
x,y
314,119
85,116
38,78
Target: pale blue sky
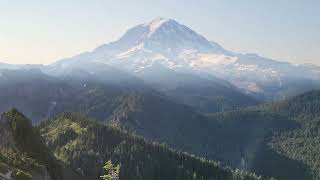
x,y
44,31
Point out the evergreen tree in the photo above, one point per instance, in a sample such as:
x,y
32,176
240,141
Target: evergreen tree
x,y
112,171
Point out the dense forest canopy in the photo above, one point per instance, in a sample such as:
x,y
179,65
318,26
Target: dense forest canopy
x,y
86,145
74,147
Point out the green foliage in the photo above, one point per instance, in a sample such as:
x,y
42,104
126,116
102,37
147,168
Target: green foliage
x,y
287,132
23,150
20,175
29,141
94,143
303,143
17,159
17,163
112,171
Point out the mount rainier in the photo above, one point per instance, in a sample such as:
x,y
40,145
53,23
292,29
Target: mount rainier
x,y
164,45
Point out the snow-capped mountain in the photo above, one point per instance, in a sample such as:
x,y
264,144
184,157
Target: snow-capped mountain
x,y
164,45
161,41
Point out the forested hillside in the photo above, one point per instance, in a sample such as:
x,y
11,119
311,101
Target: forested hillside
x,y
302,144
23,153
40,96
86,145
285,133
142,111
82,146
279,139
96,92
274,139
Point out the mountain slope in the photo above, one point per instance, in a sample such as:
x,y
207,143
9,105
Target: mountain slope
x,y
23,153
235,138
40,96
164,45
165,121
301,144
288,129
86,145
90,71
145,112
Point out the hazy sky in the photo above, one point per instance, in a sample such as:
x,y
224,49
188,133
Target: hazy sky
x,y
44,31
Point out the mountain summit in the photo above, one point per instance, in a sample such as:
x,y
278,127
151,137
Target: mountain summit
x,y
161,35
